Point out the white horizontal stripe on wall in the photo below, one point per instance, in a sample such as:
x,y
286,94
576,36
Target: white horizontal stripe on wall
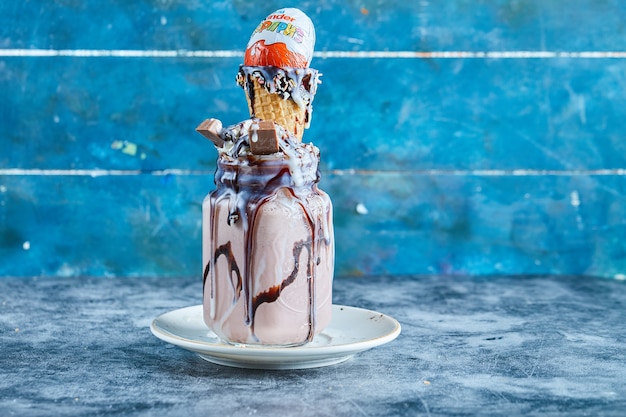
x,y
137,53
338,172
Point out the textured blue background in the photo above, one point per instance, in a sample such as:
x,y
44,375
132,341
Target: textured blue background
x,y
479,166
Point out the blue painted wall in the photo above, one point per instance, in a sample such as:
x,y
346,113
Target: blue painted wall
x,y
489,162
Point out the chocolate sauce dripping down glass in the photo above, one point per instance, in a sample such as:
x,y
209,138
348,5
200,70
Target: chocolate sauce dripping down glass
x,y
247,184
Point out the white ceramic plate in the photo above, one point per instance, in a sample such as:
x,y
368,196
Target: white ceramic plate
x,y
351,330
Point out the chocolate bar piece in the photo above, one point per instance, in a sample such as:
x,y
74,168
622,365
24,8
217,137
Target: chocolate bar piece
x,y
211,129
263,138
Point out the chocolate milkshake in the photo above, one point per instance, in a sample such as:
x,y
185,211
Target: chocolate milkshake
x,y
268,247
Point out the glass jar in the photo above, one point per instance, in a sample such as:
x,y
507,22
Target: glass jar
x,y
268,252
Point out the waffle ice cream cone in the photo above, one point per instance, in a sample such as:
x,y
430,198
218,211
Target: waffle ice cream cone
x,y
271,106
281,95
275,75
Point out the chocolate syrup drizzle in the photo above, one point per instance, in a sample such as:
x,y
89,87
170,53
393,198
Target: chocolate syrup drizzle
x,y
248,182
227,251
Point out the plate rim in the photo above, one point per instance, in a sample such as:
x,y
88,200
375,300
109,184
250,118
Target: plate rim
x,y
251,353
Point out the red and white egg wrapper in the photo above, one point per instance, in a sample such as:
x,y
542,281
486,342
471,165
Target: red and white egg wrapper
x,y
284,39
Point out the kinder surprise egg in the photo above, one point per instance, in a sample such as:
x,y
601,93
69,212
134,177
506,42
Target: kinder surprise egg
x,y
284,39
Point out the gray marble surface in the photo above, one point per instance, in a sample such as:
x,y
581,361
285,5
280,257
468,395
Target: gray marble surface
x,y
470,346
